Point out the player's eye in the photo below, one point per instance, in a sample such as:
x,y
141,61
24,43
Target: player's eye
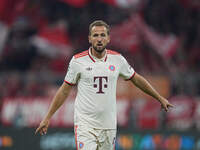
x,y
95,35
103,35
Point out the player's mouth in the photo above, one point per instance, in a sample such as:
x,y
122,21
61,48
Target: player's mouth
x,y
99,44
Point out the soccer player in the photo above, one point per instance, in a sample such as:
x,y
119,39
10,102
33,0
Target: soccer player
x,y
95,72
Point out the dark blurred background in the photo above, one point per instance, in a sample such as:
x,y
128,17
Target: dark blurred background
x,y
160,39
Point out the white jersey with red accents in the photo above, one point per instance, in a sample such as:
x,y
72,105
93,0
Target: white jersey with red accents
x,y
96,79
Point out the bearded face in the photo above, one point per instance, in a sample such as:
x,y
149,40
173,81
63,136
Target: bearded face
x,y
99,38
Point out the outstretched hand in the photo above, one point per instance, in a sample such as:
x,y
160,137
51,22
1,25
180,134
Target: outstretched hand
x,y
165,104
43,127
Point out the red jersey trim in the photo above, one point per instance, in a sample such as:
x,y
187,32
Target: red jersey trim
x,y
106,57
91,57
112,52
131,76
84,53
76,141
69,83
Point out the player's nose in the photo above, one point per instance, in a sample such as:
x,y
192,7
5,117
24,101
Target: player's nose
x,y
99,39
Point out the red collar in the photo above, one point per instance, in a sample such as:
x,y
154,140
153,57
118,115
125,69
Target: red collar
x,y
93,58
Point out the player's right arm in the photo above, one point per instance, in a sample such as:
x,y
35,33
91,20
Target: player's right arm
x,y
58,100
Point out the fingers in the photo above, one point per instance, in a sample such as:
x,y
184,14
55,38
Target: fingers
x,y
41,129
44,131
167,106
170,105
37,130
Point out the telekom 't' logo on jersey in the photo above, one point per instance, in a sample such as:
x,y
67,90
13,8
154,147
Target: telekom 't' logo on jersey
x,y
100,86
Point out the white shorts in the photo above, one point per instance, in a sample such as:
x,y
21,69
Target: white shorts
x,y
94,139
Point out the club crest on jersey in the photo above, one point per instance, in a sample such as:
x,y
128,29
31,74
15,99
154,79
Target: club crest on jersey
x,y
81,145
112,68
88,68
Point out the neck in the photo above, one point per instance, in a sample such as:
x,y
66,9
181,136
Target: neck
x,y
98,55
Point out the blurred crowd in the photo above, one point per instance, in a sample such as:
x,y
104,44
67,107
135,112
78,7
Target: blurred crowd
x,y
38,38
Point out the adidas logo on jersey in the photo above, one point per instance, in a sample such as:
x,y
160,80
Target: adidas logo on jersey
x,y
88,68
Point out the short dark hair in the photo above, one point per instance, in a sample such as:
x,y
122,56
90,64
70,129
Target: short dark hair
x,y
99,23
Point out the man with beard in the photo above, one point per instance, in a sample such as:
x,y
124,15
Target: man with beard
x,y
95,72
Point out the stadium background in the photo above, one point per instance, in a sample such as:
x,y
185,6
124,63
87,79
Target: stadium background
x,y
160,39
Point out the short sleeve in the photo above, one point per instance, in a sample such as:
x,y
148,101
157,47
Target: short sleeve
x,y
126,71
72,74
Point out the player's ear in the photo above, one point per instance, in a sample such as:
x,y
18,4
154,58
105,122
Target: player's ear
x,y
108,38
89,39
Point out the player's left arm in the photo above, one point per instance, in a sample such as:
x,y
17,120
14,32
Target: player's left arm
x,y
146,87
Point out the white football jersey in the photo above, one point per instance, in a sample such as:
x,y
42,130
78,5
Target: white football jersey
x,y
96,79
